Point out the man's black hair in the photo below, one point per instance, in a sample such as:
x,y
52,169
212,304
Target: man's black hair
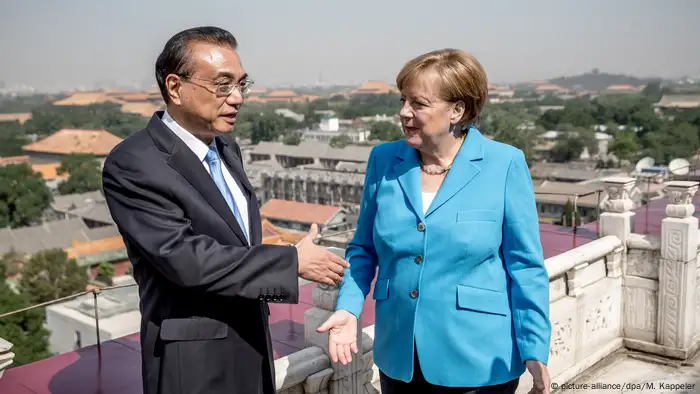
x,y
174,59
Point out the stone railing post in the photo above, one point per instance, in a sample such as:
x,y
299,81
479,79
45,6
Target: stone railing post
x,y
617,218
6,356
677,270
346,379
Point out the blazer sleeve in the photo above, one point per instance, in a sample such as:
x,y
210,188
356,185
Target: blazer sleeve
x,y
524,261
162,234
360,252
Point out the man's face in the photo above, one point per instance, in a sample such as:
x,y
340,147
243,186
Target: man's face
x,y
202,95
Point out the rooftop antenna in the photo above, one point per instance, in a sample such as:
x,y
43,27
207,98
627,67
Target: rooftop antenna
x,y
679,166
643,163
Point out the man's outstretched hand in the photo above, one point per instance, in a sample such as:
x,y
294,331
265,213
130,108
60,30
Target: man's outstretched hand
x,y
316,263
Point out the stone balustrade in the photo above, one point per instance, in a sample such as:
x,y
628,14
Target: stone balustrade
x,y
6,355
623,290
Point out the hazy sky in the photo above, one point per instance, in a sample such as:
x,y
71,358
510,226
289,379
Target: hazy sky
x,y
52,44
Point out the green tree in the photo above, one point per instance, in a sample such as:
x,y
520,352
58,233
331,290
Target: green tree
x,y
48,119
23,196
340,141
105,273
385,131
567,216
625,145
25,330
12,139
84,174
568,148
292,139
267,127
49,275
11,263
513,127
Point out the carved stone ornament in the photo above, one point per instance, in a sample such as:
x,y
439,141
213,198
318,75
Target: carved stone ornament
x,y
618,190
681,192
680,198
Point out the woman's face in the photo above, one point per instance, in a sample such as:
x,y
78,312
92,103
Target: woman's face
x,y
425,117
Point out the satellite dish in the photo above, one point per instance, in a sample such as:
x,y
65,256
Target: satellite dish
x,y
679,166
644,163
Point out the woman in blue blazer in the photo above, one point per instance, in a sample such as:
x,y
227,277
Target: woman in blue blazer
x,y
448,224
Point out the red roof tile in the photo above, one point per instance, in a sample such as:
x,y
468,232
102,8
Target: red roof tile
x,y
298,211
74,141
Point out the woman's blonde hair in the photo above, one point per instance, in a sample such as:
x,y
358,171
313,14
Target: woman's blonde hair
x,y
462,78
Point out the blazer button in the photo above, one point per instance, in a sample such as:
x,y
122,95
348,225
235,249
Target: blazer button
x,y
414,293
421,227
418,259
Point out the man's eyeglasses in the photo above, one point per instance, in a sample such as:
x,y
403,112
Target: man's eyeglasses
x,y
225,89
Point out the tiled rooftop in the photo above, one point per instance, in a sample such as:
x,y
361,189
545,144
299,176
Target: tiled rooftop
x,y
301,212
74,141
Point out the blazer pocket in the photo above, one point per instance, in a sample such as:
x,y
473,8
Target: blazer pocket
x,y
381,289
482,300
477,215
192,329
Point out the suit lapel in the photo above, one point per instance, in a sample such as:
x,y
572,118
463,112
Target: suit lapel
x,y
233,162
464,170
185,162
408,174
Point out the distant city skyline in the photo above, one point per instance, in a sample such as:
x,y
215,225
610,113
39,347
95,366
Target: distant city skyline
x,y
78,43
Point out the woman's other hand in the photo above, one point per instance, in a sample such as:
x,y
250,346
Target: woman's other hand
x,y
342,336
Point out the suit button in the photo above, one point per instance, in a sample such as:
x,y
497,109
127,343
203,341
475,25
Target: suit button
x,y
421,227
414,293
418,259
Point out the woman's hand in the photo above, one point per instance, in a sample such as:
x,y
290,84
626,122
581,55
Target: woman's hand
x,y
342,336
540,377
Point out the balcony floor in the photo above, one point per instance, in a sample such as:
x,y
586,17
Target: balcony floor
x,y
641,373
116,367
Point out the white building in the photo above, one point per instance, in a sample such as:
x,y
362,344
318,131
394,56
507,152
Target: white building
x,y
72,323
329,123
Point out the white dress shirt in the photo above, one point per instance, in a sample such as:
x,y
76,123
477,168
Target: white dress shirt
x,y
200,149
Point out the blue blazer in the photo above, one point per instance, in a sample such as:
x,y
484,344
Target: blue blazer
x,y
466,280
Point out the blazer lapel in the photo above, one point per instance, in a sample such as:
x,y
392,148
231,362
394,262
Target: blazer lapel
x,y
463,170
408,175
234,164
184,161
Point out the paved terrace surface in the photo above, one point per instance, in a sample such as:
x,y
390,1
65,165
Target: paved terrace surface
x,y
117,368
632,372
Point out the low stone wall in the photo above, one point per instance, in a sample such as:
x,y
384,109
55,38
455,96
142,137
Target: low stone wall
x,y
585,310
6,355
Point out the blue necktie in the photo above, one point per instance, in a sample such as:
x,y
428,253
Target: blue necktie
x,y
212,159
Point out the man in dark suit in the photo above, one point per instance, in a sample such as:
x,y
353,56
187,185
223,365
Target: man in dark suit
x,y
178,192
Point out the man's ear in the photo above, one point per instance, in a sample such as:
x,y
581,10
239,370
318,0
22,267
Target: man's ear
x,y
173,87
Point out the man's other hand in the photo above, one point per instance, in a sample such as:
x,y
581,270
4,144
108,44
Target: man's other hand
x,y
316,263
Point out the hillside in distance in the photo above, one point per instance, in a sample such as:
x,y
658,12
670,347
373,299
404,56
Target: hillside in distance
x,y
596,80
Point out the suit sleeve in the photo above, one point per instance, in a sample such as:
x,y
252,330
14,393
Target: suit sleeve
x,y
360,252
524,261
161,233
